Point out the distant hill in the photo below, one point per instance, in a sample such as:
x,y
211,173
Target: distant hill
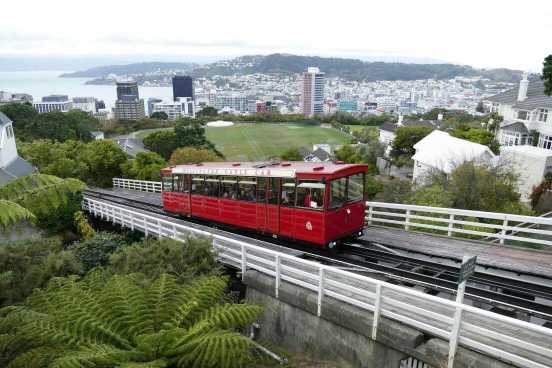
x,y
351,69
135,68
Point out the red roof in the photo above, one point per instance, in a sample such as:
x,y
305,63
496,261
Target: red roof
x,y
278,169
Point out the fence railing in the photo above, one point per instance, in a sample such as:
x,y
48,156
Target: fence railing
x,y
507,339
489,226
141,185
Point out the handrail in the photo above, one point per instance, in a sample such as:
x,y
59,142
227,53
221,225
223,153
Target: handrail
x,y
381,298
140,185
453,222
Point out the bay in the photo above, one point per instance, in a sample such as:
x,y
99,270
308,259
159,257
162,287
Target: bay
x,y
44,83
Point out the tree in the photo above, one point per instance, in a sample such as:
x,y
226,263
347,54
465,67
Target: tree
x,y
164,143
104,160
192,155
207,111
291,154
41,197
347,154
407,137
480,107
395,191
190,132
159,115
145,166
127,321
477,135
431,195
153,257
95,251
547,75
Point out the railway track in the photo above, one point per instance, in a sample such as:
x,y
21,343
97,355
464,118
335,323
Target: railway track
x,y
506,295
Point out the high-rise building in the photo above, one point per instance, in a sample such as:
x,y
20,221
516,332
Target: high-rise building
x,y
128,106
86,104
313,92
183,86
152,101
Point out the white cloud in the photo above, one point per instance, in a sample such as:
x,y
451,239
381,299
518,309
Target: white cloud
x,y
490,33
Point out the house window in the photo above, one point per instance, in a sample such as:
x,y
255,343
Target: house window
x,y
494,107
510,139
545,141
543,115
523,115
9,131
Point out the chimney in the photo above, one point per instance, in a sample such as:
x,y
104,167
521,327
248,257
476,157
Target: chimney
x,y
400,121
523,86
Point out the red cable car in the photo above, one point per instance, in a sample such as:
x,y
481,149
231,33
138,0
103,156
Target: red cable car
x,y
318,203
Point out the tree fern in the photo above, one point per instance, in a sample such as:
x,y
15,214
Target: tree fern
x,y
127,321
40,193
11,213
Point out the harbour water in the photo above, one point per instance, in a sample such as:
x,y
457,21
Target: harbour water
x,y
43,83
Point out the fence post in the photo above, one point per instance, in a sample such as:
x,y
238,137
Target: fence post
x,y
503,232
407,220
457,324
370,209
377,309
451,224
320,290
277,279
243,261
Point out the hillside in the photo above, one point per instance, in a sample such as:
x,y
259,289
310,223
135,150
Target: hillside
x,y
351,69
135,68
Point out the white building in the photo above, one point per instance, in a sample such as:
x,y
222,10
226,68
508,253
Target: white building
x,y
86,104
184,106
11,165
53,103
231,102
530,164
313,92
440,152
527,114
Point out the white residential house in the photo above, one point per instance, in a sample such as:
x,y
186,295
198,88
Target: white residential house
x,y
441,152
11,165
527,114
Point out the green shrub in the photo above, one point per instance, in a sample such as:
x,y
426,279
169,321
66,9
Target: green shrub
x,y
95,251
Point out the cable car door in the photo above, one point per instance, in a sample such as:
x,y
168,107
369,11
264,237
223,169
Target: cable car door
x,y
273,206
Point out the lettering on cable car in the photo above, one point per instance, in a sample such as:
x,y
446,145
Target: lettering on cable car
x,y
286,173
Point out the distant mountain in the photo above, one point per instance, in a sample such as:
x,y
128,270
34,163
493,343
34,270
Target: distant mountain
x,y
130,69
351,69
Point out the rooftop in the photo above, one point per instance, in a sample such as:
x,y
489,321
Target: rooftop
x,y
4,119
276,169
391,127
535,97
528,150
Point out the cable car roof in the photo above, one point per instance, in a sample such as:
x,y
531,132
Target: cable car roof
x,y
286,169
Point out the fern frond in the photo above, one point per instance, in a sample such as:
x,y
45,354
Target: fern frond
x,y
224,349
161,298
205,292
12,213
95,356
37,357
232,315
159,363
40,193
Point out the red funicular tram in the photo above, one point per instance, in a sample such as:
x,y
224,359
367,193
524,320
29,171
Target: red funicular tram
x,y
318,203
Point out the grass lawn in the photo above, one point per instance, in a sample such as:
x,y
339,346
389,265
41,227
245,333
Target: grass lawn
x,y
374,130
258,141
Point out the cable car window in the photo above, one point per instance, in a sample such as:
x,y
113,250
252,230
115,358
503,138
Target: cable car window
x,y
247,189
212,186
167,183
338,192
310,194
229,187
273,191
355,190
288,193
181,183
261,190
198,185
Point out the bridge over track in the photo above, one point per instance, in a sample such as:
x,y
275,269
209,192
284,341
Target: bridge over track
x,y
505,339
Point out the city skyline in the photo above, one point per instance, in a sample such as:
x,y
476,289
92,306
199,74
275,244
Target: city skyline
x,y
480,34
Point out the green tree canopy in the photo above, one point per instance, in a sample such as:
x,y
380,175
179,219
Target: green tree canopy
x,y
164,143
207,111
104,160
291,154
477,135
407,137
192,155
145,166
126,321
159,115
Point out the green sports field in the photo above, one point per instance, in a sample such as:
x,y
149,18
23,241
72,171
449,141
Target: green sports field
x,y
258,141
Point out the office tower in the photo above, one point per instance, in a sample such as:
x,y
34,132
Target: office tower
x,y
313,92
128,106
183,86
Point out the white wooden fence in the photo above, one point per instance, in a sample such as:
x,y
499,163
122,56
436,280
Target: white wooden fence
x,y
507,339
462,223
140,185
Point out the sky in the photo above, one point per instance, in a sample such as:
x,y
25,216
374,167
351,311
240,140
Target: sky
x,y
482,33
